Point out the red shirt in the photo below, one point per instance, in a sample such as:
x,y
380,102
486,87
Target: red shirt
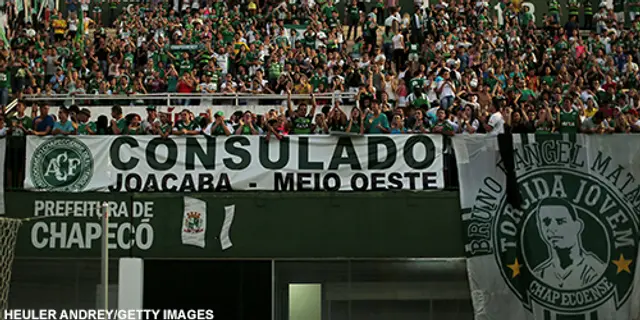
x,y
183,87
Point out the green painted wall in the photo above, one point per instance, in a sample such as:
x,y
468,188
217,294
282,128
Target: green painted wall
x,y
266,225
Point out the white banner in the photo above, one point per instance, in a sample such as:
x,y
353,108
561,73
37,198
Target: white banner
x,y
212,164
3,154
67,164
194,222
570,250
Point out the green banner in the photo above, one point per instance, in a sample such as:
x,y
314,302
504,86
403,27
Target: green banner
x,y
263,225
187,47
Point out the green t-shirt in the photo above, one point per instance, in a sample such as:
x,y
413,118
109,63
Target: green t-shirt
x,y
302,125
354,13
82,128
185,66
189,127
26,122
374,122
548,80
5,79
445,125
246,129
122,125
218,130
544,127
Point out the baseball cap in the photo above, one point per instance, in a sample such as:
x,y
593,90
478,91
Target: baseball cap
x,y
219,114
151,108
86,111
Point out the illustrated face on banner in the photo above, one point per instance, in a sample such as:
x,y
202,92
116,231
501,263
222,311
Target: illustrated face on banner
x,y
569,265
569,250
558,227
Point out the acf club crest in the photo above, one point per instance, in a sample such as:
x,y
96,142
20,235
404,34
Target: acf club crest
x,y
569,249
61,164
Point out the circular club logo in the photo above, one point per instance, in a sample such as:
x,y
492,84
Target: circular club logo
x,y
569,247
62,164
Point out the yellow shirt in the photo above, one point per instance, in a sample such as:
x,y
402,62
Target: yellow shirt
x,y
302,88
237,45
59,26
87,23
590,113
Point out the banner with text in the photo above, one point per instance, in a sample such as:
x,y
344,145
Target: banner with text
x,y
551,225
206,164
241,225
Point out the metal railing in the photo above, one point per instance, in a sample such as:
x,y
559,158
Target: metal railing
x,y
171,99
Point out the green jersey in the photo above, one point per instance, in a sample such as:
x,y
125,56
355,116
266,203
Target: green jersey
x,y
445,125
15,122
122,125
83,128
245,129
544,127
414,48
185,66
554,7
302,125
187,126
5,79
569,121
588,7
354,13
574,7
218,130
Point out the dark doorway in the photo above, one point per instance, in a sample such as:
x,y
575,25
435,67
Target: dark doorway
x,y
234,290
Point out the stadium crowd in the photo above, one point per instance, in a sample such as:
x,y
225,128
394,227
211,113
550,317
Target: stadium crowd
x,y
454,67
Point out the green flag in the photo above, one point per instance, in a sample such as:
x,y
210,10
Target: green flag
x,y
80,32
3,37
299,28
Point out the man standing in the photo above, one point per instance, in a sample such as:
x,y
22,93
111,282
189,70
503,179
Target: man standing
x,y
219,126
20,123
85,127
44,123
588,14
568,119
495,124
118,123
152,122
64,125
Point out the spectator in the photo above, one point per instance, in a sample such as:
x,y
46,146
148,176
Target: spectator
x,y
489,71
43,124
64,126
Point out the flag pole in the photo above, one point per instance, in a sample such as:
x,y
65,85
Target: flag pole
x,y
105,255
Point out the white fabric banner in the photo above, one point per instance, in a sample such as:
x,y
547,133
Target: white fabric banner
x,y
209,164
68,164
3,155
570,250
194,222
225,240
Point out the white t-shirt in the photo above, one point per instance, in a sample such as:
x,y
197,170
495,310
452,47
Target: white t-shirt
x,y
497,123
397,41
